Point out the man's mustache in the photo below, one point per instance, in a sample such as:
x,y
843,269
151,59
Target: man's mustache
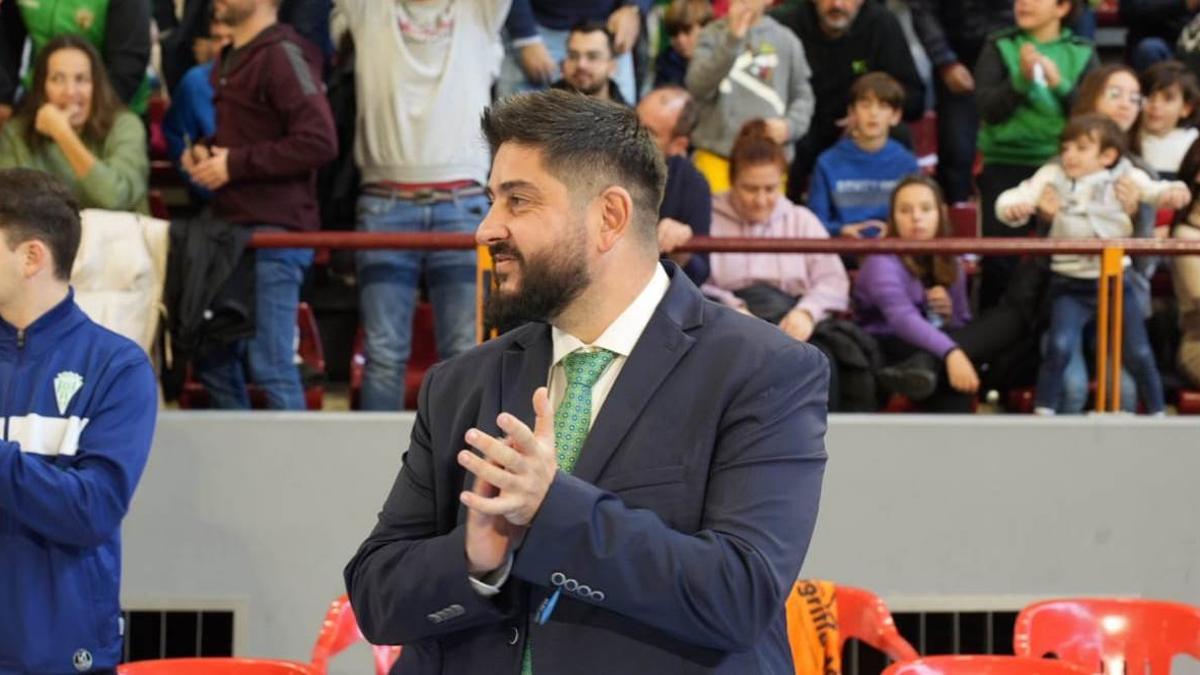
x,y
506,250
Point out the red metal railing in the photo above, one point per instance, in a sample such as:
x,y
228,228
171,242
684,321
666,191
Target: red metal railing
x,y
1109,289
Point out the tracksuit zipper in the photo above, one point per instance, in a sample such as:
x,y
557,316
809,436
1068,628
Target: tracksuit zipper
x,y
11,380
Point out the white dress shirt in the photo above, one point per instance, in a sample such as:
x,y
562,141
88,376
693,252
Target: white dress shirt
x,y
620,338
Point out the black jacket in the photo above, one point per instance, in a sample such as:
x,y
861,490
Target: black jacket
x,y
875,42
209,292
955,30
1153,18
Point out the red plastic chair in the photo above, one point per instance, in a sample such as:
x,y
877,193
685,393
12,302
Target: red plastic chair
x,y
1099,634
984,665
862,615
338,632
214,666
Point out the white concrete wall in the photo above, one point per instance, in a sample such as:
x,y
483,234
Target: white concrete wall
x,y
259,512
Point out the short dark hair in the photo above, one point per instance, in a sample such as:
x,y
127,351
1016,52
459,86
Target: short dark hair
x,y
38,205
880,86
683,15
1166,74
1098,128
585,141
593,26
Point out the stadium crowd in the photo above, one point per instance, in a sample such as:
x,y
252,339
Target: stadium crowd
x,y
796,119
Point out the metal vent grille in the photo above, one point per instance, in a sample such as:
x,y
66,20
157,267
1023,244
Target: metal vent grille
x,y
933,633
177,634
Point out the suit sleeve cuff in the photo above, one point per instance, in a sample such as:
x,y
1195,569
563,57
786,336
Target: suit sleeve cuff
x,y
489,584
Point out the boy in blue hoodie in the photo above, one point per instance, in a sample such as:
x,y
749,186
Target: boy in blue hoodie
x,y
78,413
853,180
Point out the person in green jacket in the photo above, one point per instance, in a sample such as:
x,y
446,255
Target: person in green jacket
x,y
119,29
71,124
1025,79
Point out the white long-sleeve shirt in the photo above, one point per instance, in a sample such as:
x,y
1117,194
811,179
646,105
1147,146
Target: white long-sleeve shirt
x,y
420,92
1089,208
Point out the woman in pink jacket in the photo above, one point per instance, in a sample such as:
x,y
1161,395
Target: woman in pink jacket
x,y
794,290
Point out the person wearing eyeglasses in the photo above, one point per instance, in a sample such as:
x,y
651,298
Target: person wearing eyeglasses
x,y
590,63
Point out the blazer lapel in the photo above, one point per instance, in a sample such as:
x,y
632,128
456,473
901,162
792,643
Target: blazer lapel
x,y
523,368
662,344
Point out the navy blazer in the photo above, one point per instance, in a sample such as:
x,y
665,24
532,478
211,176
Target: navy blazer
x,y
676,538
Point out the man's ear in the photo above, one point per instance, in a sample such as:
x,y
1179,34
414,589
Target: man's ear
x,y
616,216
35,256
678,146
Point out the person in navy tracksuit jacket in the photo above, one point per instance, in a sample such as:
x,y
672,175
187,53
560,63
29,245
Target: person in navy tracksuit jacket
x,y
77,409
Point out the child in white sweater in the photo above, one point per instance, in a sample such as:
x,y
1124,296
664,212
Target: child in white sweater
x,y
1081,191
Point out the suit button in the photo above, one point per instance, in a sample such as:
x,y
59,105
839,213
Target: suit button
x,y
514,635
598,596
558,578
434,618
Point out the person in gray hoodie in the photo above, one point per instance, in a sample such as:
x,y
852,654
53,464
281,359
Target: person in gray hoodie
x,y
747,66
1083,185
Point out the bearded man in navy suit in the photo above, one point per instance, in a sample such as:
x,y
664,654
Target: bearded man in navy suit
x,y
644,466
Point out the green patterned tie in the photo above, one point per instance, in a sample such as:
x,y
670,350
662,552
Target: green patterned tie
x,y
572,421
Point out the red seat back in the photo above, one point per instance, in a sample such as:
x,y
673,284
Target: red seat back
x,y
339,630
864,616
984,665
1099,634
214,666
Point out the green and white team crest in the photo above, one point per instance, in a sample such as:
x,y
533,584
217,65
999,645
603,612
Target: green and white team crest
x,y
66,385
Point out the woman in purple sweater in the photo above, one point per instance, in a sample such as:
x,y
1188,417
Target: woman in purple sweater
x,y
916,306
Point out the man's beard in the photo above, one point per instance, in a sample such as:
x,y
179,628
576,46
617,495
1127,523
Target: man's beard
x,y
233,15
592,89
548,283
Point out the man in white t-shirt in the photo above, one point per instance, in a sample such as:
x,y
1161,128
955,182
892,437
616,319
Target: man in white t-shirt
x,y
423,74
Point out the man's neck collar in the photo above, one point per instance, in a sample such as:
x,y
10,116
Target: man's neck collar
x,y
251,28
25,311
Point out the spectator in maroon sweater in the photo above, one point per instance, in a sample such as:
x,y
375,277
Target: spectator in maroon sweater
x,y
274,129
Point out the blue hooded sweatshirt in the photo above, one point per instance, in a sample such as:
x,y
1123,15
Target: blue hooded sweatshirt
x,y
78,404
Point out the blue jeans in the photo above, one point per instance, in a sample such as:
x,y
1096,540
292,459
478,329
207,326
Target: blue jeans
x,y
1072,306
1077,381
270,356
512,78
388,289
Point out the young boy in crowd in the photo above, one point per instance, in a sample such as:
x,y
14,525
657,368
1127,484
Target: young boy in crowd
x,y
682,23
1024,81
853,181
1166,128
1078,195
747,66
